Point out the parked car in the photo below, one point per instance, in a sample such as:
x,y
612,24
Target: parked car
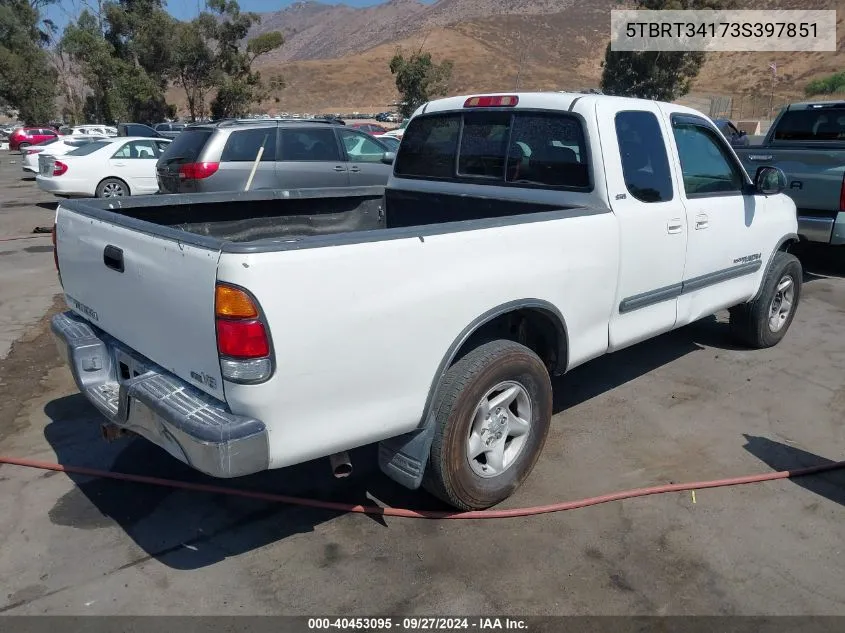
x,y
398,131
254,330
170,130
88,130
113,168
297,154
23,137
391,142
735,136
807,141
137,130
370,128
54,147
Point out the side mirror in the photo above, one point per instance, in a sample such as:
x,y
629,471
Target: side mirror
x,y
769,181
388,158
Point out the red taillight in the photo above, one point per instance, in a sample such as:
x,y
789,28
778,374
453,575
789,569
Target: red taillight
x,y
242,339
197,171
842,195
59,168
497,101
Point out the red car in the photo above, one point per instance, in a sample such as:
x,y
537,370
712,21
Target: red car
x,y
23,137
370,128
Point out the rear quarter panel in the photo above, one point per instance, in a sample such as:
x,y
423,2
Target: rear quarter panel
x,y
360,329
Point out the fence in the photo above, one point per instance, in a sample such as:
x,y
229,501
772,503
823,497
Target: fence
x,y
756,107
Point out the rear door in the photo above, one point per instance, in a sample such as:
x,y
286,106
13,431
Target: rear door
x,y
651,216
238,158
152,294
363,157
310,157
135,163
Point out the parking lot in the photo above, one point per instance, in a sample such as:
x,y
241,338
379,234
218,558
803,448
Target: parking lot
x,y
687,406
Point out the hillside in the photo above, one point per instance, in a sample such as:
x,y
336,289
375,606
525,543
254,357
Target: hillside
x,y
335,58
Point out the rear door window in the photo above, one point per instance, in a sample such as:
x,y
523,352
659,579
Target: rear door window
x,y
242,146
642,149
310,144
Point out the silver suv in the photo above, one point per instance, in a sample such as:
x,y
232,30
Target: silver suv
x,y
297,154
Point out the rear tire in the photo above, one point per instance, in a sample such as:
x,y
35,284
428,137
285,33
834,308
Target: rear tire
x,y
112,188
764,321
22,147
492,417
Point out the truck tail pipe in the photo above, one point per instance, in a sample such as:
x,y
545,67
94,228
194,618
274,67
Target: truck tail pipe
x,y
341,465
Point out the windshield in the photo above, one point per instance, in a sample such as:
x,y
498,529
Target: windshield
x,y
89,148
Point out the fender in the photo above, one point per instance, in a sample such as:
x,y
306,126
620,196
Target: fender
x,y
789,238
404,458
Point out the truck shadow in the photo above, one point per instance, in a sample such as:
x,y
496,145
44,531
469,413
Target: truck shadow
x,y
779,456
820,260
192,530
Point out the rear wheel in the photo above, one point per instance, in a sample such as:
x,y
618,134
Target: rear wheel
x,y
112,188
763,322
492,417
22,147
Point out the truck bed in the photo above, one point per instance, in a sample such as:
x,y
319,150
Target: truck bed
x,y
285,215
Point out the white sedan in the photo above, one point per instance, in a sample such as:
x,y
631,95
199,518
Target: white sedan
x,y
54,147
125,166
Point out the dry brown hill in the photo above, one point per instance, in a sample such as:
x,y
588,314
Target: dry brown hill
x,y
335,57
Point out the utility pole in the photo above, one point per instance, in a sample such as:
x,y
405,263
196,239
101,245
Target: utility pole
x,y
774,68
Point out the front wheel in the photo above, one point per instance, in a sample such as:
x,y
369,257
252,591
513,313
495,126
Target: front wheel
x,y
764,322
492,416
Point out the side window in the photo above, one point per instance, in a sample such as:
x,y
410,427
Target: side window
x,y
309,144
123,152
360,148
242,146
548,149
645,164
705,163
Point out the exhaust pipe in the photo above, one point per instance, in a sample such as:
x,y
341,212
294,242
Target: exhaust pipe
x,y
341,465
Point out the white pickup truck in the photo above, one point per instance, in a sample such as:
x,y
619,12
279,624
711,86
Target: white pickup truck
x,y
519,237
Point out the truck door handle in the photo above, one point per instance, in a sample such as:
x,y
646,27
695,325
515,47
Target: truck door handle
x,y
796,184
340,168
760,157
119,164
113,258
701,222
675,225
354,169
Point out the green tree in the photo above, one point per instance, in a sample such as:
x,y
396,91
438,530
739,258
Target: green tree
x,y
27,79
418,79
660,75
193,66
238,85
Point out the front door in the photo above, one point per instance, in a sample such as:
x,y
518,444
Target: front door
x,y
652,223
364,156
726,221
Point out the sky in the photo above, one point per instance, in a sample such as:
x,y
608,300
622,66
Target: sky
x,y
64,10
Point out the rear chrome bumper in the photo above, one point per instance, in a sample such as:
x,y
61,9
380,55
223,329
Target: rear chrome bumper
x,y
136,395
824,230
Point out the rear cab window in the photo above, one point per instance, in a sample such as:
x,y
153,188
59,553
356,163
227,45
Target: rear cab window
x,y
521,148
813,124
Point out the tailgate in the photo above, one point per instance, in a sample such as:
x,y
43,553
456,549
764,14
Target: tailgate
x,y
153,294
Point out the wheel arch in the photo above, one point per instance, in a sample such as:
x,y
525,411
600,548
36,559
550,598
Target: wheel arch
x,y
102,180
784,244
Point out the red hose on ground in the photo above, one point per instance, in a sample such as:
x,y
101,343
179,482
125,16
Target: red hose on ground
x,y
424,514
